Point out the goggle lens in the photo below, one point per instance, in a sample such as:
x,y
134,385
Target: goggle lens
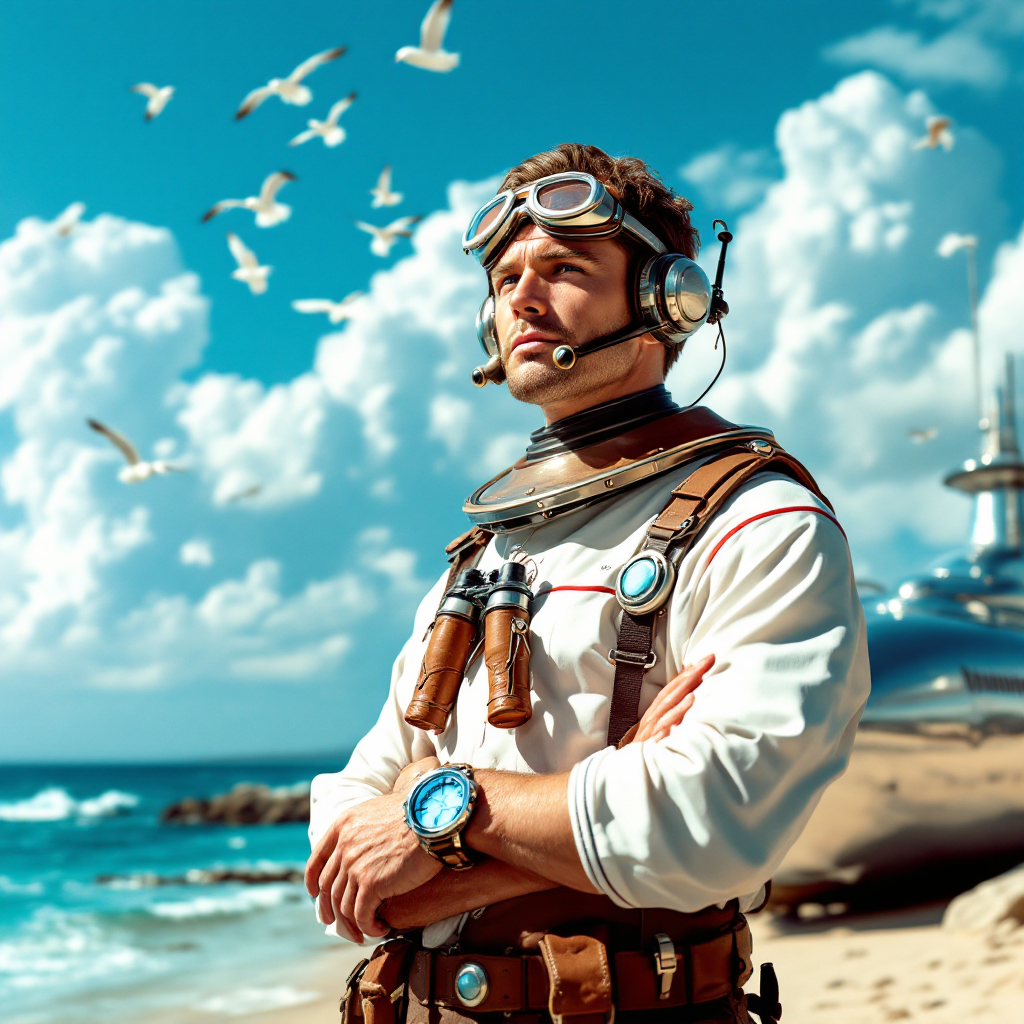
x,y
486,219
563,195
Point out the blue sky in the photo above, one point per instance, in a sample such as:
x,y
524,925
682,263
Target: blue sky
x,y
277,632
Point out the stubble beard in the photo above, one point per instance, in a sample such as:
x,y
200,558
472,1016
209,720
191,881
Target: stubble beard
x,y
537,381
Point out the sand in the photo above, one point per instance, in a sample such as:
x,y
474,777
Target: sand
x,y
879,968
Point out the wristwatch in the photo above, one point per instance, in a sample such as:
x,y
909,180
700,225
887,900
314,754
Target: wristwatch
x,y
437,810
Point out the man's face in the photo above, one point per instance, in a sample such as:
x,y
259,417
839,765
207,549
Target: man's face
x,y
549,292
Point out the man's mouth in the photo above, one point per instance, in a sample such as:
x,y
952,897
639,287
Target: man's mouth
x,y
533,342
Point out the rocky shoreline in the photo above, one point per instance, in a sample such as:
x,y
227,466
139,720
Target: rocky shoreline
x,y
246,804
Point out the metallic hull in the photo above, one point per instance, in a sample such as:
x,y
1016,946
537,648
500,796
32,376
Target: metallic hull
x,y
937,772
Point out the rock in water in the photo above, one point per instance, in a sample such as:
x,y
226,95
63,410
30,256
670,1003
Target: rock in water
x,y
983,907
246,804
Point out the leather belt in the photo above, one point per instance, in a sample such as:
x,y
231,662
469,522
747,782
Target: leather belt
x,y
520,983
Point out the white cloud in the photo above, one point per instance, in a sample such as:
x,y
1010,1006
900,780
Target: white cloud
x,y
730,177
196,552
956,57
845,325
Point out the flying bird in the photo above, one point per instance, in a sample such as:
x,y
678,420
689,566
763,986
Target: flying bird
x,y
67,221
268,211
249,492
953,242
336,311
381,192
290,89
429,55
384,238
920,436
158,96
330,131
249,270
938,134
137,469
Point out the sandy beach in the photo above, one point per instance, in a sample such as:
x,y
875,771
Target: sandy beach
x,y
900,965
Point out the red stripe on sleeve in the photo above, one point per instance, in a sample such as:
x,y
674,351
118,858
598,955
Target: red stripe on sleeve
x,y
764,515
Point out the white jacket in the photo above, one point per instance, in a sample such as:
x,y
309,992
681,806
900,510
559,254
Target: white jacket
x,y
708,813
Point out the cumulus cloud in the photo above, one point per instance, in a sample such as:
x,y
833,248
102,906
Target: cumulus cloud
x,y
845,329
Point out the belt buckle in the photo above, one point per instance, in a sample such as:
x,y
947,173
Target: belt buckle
x,y
665,962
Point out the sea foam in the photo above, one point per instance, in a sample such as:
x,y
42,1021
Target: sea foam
x,y
242,902
57,804
244,1001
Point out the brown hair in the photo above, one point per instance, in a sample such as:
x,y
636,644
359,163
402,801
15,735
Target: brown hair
x,y
640,189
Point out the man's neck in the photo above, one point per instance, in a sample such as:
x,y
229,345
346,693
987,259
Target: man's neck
x,y
569,406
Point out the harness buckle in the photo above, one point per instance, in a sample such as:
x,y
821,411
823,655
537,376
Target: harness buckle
x,y
643,661
665,962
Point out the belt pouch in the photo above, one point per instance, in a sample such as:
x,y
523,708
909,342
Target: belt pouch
x,y
382,984
579,979
351,1003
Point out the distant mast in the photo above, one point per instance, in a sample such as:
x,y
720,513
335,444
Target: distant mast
x,y
997,478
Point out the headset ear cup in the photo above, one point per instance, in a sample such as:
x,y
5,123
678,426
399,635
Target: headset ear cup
x,y
674,297
486,332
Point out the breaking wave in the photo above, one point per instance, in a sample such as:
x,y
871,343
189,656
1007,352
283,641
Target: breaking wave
x,y
245,1001
242,902
57,804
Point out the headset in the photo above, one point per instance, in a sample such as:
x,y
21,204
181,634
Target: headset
x,y
672,298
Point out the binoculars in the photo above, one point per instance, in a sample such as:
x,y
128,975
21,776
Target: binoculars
x,y
496,603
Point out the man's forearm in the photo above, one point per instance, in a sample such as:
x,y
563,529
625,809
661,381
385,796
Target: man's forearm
x,y
523,820
454,892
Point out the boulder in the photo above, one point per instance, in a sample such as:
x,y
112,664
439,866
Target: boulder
x,y
246,804
986,905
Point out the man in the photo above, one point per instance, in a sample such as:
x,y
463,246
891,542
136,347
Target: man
x,y
615,874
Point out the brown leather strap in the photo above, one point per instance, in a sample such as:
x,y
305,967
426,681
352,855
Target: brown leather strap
x,y
694,503
587,975
382,983
465,550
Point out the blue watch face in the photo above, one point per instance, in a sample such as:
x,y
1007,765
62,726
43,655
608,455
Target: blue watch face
x,y
438,801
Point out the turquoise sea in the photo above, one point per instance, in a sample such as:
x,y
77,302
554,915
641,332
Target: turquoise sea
x,y
75,949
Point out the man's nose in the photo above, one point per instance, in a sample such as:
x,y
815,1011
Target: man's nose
x,y
529,297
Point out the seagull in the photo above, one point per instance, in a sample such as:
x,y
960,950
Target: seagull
x,y
330,131
249,269
953,242
336,311
268,213
382,194
429,55
384,238
136,470
938,134
159,97
68,220
249,492
920,436
290,89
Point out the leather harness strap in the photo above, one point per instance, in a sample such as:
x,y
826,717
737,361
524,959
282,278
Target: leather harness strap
x,y
694,503
465,551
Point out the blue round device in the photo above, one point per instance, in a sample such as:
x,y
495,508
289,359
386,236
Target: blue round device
x,y
645,582
439,802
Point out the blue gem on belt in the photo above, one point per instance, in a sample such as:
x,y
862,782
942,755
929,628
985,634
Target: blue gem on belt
x,y
471,984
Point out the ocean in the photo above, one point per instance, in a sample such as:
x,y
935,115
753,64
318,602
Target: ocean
x,y
74,948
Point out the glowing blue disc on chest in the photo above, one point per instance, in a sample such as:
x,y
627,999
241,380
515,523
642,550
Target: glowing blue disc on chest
x,y
645,582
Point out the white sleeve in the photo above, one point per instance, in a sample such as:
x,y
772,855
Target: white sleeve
x,y
388,747
707,814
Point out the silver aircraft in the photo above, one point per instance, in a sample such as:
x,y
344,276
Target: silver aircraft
x,y
933,799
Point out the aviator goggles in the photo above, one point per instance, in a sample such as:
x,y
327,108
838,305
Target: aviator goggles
x,y
567,205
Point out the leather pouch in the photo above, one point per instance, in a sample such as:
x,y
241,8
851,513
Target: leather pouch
x,y
579,979
382,984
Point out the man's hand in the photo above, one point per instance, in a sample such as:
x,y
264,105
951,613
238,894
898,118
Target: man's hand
x,y
367,855
670,706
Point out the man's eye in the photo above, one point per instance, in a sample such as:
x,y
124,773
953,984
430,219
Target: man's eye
x,y
568,268
506,281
